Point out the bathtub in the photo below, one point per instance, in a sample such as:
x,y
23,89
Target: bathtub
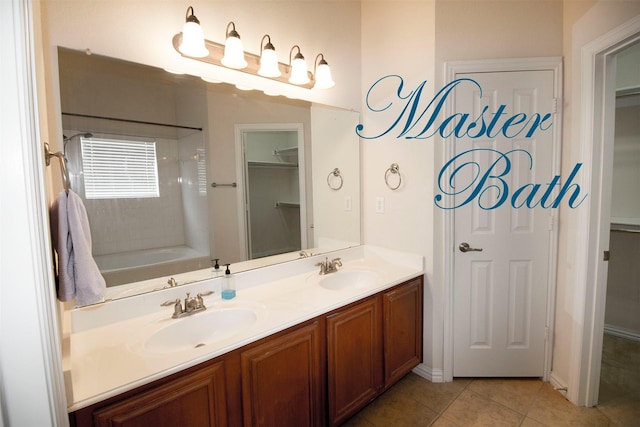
x,y
136,266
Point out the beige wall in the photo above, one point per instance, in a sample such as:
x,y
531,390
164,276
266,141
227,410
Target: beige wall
x,y
332,131
398,37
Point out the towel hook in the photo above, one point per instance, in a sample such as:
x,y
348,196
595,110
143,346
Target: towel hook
x,y
335,173
63,167
394,169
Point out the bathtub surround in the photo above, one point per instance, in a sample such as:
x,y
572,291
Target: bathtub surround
x,y
136,266
127,102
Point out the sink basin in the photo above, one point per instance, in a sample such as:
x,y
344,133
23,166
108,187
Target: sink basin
x,y
199,330
353,279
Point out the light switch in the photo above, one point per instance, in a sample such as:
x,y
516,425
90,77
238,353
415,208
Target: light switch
x,y
347,203
380,204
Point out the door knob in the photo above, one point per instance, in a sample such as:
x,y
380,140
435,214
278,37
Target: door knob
x,y
464,247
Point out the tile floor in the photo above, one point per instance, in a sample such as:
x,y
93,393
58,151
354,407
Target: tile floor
x,y
415,401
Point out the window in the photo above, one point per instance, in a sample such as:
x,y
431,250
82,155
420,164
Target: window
x,y
119,168
202,171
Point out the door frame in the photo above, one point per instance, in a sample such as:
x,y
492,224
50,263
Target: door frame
x,y
598,67
451,70
242,173
33,388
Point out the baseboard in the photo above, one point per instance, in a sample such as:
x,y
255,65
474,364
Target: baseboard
x,y
622,332
558,384
433,375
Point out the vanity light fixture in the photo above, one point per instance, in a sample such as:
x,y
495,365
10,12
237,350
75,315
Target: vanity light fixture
x,y
298,74
323,73
233,49
268,59
192,37
231,55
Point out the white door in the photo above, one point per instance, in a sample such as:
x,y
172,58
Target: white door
x,y
500,294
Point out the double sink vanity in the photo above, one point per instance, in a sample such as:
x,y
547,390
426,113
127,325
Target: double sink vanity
x,y
294,347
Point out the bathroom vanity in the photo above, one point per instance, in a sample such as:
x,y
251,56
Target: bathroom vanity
x,y
321,347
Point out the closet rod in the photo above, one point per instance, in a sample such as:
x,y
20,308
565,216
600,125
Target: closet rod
x,y
140,122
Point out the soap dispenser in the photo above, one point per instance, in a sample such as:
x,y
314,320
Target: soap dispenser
x,y
216,267
228,284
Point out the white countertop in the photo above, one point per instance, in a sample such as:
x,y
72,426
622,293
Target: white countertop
x,y
104,356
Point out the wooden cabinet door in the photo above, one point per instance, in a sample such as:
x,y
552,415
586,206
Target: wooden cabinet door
x,y
282,380
194,400
354,358
402,330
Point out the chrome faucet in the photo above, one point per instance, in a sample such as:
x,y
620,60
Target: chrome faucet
x,y
191,305
327,266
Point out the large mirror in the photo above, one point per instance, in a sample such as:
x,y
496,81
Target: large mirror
x,y
177,172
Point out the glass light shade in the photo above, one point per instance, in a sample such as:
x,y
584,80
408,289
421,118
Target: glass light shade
x,y
299,74
234,53
323,76
269,63
193,41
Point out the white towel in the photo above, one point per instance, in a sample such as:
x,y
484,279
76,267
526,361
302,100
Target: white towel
x,y
78,275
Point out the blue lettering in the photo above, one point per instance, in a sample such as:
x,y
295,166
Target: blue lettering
x,y
468,183
565,188
529,201
417,121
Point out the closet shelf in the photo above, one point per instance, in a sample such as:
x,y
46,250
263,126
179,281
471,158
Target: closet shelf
x,y
285,151
272,165
287,205
625,228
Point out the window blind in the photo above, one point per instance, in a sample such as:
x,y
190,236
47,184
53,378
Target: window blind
x,y
118,168
202,171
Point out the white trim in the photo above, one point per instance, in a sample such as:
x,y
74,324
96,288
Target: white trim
x,y
558,384
241,173
428,373
451,70
617,331
33,387
598,102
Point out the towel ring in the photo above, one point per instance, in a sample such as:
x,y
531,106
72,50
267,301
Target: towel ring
x,y
394,169
63,167
335,173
